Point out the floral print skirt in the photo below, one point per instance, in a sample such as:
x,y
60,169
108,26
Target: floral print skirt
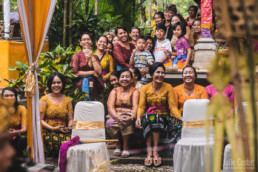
x,y
53,141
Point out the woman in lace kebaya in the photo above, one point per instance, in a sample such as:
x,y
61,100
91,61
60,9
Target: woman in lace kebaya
x,y
158,98
122,106
56,114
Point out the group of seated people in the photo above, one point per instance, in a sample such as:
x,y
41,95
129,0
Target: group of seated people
x,y
116,75
151,109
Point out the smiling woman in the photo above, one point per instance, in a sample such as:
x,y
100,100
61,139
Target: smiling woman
x,y
159,99
134,34
189,90
122,49
88,69
122,106
56,114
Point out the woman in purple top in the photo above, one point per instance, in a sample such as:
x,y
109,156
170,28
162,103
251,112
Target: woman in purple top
x,y
183,49
123,49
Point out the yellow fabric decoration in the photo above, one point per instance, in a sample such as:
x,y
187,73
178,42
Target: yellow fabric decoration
x,y
30,80
88,125
197,124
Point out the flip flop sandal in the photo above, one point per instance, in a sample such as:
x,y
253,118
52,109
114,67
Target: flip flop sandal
x,y
117,152
148,159
125,154
156,158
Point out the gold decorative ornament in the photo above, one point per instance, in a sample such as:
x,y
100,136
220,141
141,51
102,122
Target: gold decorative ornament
x,y
30,80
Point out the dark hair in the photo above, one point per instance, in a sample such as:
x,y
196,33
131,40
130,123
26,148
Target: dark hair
x,y
15,94
161,14
86,33
110,43
147,36
161,26
114,73
171,7
183,27
137,72
119,27
124,70
51,78
198,19
195,9
181,18
135,28
192,68
155,66
140,37
102,36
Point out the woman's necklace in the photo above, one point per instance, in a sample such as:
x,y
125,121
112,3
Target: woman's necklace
x,y
188,90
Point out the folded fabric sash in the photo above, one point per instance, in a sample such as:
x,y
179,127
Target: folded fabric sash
x,y
88,125
198,124
85,85
56,119
152,108
63,151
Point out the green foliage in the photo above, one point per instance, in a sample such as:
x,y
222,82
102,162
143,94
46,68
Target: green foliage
x,y
57,60
110,14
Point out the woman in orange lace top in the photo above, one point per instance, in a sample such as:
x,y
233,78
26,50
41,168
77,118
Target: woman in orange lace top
x,y
122,106
189,90
56,115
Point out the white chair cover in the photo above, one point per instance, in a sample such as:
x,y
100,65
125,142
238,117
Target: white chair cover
x,y
227,160
190,151
83,157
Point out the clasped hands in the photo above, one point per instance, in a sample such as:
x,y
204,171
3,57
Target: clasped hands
x,y
124,120
62,129
13,132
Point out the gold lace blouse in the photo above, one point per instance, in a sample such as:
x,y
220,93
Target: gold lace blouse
x,y
55,115
19,118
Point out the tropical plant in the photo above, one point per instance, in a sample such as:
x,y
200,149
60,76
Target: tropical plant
x,y
57,60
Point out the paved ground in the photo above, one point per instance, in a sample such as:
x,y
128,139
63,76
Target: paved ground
x,y
139,168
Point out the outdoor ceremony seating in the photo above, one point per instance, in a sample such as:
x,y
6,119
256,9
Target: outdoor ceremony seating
x,y
89,126
190,151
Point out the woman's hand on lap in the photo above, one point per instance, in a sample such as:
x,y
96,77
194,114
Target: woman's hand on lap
x,y
138,122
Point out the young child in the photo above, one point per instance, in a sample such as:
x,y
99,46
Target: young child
x,y
141,58
183,49
162,45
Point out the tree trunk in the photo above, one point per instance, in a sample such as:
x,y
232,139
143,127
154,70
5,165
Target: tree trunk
x,y
143,14
96,7
65,22
70,20
87,2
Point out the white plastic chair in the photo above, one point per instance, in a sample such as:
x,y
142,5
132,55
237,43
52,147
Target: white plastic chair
x,y
190,151
81,158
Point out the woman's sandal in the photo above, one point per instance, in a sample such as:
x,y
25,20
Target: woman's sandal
x,y
117,152
125,154
148,161
157,161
